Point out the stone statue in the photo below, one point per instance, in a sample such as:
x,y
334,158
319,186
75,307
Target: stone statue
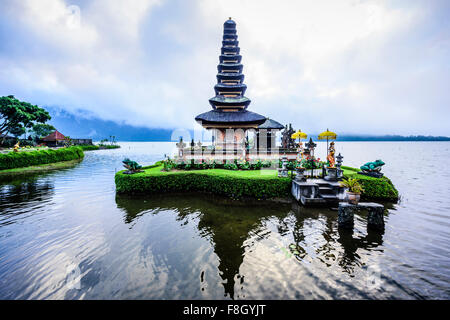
x,y
330,156
132,166
372,169
286,141
300,155
310,147
181,145
340,172
283,171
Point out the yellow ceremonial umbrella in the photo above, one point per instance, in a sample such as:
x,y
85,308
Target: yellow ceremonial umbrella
x,y
299,135
328,135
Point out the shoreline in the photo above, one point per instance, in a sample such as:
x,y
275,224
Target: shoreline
x,y
10,173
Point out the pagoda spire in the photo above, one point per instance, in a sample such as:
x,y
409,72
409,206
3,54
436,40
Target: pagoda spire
x,y
230,87
230,103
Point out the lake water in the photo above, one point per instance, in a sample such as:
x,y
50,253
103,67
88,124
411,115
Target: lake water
x,y
67,235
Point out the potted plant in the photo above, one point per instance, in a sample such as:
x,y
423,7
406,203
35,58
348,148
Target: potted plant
x,y
354,189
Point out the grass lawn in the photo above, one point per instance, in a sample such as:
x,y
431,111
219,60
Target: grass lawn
x,y
254,174
349,171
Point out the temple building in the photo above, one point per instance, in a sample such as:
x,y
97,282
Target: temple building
x,y
229,105
266,135
54,139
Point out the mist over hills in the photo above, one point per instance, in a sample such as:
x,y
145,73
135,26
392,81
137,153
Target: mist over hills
x,y
79,126
82,125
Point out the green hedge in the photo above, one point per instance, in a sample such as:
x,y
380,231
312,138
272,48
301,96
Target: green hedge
x,y
31,158
233,184
109,146
257,184
88,147
374,188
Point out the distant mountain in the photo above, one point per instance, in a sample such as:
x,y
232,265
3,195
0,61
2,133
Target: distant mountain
x,y
97,129
94,128
391,138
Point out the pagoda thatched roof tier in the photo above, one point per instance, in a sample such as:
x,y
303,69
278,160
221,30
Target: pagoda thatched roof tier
x,y
271,124
230,76
230,66
230,37
222,89
227,31
218,117
230,50
230,42
230,23
223,58
229,102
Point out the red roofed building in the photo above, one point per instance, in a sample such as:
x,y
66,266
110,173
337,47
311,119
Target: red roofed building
x,y
54,139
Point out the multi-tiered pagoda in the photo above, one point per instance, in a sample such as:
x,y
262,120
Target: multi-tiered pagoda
x,y
230,105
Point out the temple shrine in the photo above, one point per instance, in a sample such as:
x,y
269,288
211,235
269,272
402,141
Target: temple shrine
x,y
244,140
230,120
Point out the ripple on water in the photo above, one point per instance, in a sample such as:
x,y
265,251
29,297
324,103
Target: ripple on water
x,y
203,247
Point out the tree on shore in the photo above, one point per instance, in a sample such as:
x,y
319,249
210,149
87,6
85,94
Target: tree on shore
x,y
42,129
17,131
16,114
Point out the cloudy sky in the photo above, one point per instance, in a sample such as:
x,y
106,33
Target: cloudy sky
x,y
372,67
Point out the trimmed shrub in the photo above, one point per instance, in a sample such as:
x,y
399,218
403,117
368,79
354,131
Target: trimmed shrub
x,y
88,147
214,181
108,146
32,158
374,188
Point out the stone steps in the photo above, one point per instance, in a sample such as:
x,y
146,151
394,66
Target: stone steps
x,y
326,190
317,191
330,197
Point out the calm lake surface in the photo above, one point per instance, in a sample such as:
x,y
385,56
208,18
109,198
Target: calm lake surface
x,y
67,235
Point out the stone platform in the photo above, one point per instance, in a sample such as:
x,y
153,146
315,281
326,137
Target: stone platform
x,y
375,218
318,191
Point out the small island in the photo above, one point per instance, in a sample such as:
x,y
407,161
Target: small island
x,y
240,167
234,183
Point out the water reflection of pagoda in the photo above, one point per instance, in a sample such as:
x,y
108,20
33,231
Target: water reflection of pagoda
x,y
230,104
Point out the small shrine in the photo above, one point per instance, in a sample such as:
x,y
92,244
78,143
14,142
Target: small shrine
x,y
287,142
266,135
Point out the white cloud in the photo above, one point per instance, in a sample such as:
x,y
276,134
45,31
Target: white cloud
x,y
314,63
